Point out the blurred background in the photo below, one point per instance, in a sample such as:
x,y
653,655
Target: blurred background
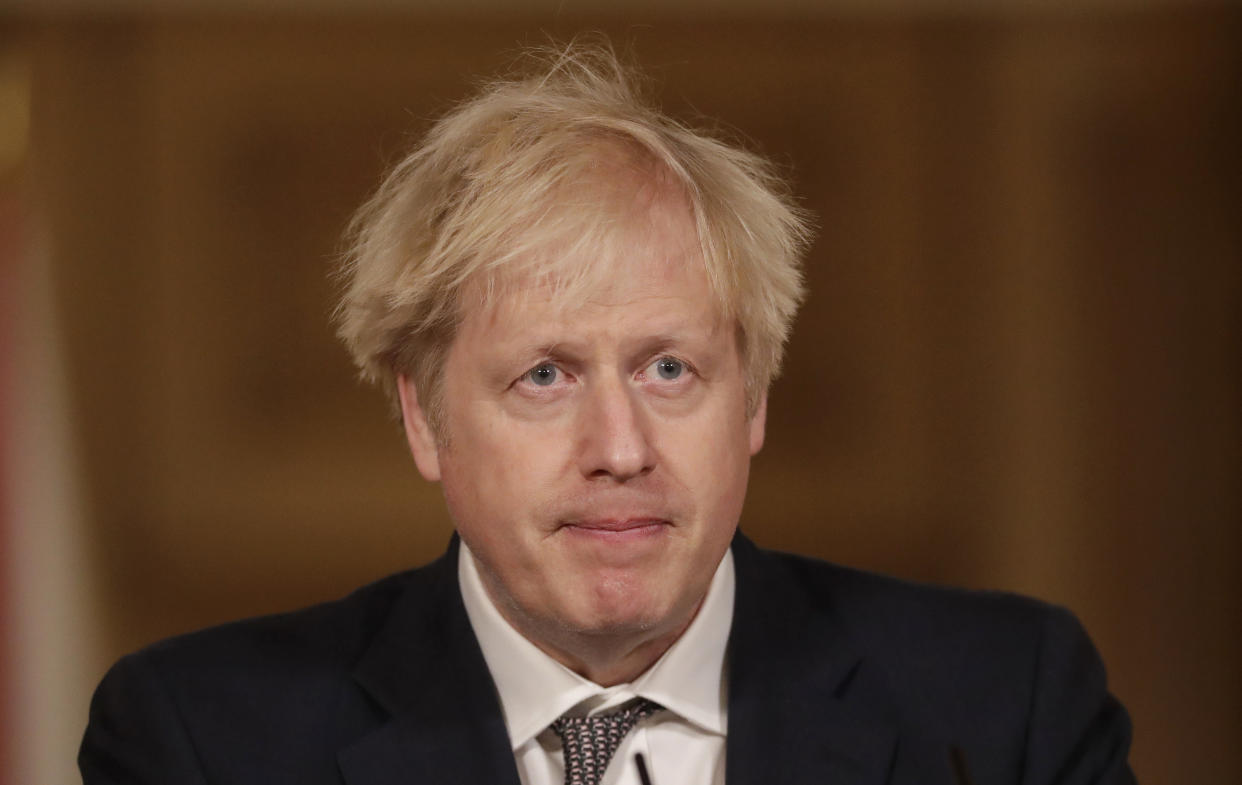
x,y
1018,367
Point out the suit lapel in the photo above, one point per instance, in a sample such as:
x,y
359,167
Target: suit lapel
x,y
803,706
426,670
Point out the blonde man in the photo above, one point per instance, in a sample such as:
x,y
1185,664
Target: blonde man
x,y
577,305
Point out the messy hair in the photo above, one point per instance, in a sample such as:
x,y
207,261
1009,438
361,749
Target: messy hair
x,y
496,189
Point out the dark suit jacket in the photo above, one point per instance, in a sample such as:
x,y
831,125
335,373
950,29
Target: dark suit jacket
x,y
835,676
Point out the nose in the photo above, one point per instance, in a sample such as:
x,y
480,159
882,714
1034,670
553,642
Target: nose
x,y
615,434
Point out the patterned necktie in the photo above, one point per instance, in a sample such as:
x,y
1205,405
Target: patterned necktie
x,y
589,742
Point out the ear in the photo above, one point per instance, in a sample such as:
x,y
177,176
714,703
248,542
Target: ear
x,y
417,432
757,424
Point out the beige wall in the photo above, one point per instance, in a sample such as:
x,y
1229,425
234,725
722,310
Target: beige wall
x,y
1018,367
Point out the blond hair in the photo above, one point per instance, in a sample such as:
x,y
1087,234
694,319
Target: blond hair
x,y
495,188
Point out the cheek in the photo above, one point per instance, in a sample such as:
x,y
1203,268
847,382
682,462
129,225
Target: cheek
x,y
722,471
714,450
494,476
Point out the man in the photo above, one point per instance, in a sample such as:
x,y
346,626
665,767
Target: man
x,y
578,306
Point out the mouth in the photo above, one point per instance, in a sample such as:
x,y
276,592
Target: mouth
x,y
617,529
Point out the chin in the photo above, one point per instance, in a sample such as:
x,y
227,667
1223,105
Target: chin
x,y
625,615
630,632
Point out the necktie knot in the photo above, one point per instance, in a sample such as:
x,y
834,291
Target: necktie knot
x,y
590,742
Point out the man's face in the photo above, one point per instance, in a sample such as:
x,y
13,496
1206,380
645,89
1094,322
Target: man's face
x,y
594,456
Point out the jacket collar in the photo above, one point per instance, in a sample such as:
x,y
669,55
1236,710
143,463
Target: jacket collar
x,y
803,704
426,670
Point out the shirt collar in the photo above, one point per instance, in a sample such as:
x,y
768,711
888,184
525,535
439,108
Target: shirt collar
x,y
688,679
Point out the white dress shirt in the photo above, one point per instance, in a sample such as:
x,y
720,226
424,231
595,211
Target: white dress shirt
x,y
684,745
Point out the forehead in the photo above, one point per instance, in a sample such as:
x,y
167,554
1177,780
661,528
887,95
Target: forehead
x,y
629,238
650,297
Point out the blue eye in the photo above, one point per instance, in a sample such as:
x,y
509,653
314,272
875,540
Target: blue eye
x,y
669,368
542,375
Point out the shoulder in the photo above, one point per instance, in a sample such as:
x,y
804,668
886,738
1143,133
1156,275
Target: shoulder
x,y
873,606
1009,677
934,646
245,695
328,636
939,635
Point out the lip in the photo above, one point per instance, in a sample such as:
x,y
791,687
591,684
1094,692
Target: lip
x,y
616,524
617,529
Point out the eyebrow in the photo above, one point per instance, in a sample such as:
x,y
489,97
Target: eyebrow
x,y
643,345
